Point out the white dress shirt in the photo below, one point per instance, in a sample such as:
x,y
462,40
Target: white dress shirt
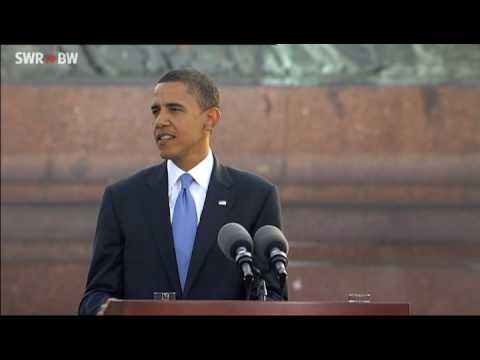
x,y
201,175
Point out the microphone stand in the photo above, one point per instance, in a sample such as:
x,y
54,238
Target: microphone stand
x,y
280,260
248,287
244,262
262,291
262,287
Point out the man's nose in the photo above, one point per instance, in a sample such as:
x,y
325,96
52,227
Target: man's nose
x,y
162,120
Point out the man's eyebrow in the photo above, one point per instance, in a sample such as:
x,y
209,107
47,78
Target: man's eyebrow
x,y
168,105
174,105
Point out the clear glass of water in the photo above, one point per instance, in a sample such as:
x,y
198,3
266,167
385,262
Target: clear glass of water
x,y
359,298
164,295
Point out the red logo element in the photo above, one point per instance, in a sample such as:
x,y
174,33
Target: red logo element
x,y
51,58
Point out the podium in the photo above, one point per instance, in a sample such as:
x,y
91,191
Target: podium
x,y
250,308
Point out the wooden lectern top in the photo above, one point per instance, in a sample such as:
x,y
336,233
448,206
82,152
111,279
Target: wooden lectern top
x,y
250,308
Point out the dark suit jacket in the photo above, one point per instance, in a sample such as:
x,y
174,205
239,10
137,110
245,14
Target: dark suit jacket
x,y
133,252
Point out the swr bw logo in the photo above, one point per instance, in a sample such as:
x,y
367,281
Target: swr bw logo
x,y
32,58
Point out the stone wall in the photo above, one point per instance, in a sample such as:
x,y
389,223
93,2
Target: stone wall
x,y
282,64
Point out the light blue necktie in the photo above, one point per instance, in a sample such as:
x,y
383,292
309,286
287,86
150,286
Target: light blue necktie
x,y
184,226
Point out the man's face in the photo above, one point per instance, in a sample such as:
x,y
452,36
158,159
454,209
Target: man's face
x,y
180,127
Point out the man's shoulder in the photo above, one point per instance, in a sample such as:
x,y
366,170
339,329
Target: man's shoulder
x,y
248,179
136,179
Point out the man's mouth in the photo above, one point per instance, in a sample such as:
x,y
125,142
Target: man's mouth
x,y
165,137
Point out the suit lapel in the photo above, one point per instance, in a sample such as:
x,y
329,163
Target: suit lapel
x,y
157,212
213,217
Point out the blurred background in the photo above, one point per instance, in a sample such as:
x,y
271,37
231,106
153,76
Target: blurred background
x,y
375,149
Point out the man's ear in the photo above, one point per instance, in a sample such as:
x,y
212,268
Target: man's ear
x,y
213,117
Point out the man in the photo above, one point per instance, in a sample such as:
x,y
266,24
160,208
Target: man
x,y
157,230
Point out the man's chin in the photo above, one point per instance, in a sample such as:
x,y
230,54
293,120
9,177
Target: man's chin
x,y
167,156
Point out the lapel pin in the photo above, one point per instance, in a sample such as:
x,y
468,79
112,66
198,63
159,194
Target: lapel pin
x,y
222,202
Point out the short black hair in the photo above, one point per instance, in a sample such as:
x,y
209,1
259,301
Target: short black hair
x,y
199,85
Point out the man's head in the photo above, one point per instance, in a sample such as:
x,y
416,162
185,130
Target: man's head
x,y
185,110
199,85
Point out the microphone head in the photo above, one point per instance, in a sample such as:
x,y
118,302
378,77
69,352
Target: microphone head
x,y
230,237
267,238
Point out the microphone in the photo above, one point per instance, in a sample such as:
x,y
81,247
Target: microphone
x,y
271,249
237,245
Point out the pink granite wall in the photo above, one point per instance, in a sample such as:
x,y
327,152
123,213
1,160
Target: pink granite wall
x,y
380,186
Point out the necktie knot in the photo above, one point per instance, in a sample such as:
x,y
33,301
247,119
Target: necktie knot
x,y
186,180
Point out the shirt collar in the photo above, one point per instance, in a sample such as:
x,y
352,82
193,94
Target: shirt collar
x,y
200,173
